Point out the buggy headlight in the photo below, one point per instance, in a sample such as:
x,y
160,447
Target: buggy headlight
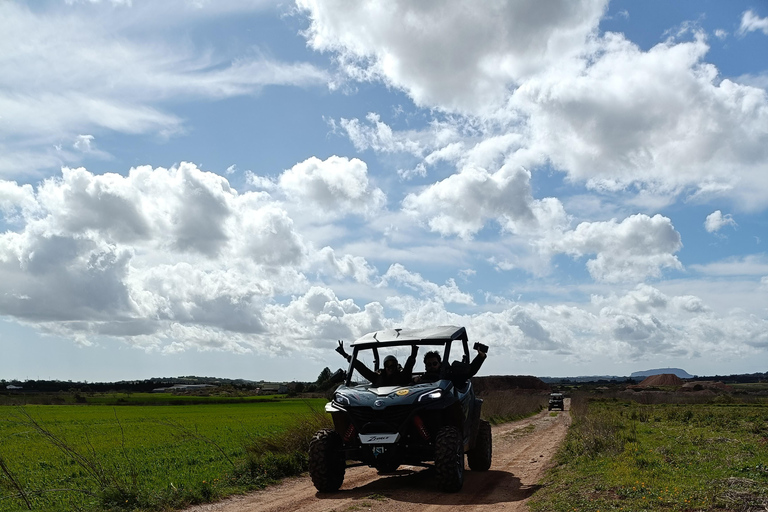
x,y
340,399
431,395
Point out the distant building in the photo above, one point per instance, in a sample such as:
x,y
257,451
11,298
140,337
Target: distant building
x,y
273,389
12,387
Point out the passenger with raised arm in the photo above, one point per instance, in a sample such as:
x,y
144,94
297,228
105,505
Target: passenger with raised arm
x,y
391,375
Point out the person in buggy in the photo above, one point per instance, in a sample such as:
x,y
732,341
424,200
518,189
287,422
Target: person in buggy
x,y
433,367
391,375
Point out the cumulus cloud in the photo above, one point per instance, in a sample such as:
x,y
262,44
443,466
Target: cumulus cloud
x,y
130,255
101,256
345,266
636,325
659,123
716,220
631,250
659,120
448,293
462,203
482,52
333,187
751,22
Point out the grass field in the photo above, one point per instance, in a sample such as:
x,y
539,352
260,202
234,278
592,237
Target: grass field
x,y
622,455
132,457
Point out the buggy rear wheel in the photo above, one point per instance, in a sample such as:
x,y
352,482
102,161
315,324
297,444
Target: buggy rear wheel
x,y
479,457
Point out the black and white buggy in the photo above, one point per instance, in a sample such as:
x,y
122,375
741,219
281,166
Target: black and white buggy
x,y
420,424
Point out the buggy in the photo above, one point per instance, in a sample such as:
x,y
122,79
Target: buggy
x,y
420,424
556,401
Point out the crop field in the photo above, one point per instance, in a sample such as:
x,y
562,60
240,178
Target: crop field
x,y
622,455
131,457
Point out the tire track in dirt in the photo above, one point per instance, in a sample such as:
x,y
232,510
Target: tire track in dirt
x,y
522,451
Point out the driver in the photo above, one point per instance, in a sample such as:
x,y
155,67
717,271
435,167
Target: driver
x,y
391,375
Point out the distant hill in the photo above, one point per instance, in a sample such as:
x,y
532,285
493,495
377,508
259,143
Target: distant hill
x,y
661,371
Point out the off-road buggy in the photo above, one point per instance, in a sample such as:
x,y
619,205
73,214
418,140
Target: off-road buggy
x,y
556,401
419,424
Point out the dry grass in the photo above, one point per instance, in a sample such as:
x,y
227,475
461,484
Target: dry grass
x,y
511,404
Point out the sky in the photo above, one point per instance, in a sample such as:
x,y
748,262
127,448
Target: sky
x,y
226,188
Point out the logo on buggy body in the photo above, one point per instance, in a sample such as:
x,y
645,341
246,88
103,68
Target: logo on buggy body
x,y
379,439
402,392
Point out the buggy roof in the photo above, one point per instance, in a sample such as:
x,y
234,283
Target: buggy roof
x,y
428,336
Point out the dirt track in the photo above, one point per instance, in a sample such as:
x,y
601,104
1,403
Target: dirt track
x,y
522,451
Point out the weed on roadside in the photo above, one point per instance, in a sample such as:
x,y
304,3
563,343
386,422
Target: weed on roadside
x,y
621,455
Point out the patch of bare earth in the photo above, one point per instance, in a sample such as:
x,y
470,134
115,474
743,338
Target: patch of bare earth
x,y
522,451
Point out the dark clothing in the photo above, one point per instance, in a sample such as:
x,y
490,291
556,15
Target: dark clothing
x,y
457,372
381,378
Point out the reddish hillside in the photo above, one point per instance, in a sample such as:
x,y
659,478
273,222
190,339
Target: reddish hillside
x,y
664,379
501,382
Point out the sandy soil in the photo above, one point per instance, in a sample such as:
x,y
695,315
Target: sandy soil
x,y
522,451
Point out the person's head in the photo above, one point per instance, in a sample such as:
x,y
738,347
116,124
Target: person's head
x,y
391,365
432,361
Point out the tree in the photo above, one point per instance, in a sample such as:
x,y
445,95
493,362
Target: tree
x,y
324,376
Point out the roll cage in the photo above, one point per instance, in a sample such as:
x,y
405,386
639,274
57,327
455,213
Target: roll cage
x,y
443,336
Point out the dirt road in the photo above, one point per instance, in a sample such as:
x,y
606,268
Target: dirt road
x,y
522,451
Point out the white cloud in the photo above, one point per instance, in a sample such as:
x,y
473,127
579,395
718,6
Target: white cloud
x,y
658,120
334,187
632,250
721,34
85,68
661,123
641,324
751,264
83,143
751,22
482,52
129,255
16,201
716,220
345,266
462,203
380,137
448,293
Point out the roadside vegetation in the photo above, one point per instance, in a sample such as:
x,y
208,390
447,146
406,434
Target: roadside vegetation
x,y
661,451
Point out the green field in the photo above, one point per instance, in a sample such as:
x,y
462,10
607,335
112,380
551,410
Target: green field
x,y
92,457
622,455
